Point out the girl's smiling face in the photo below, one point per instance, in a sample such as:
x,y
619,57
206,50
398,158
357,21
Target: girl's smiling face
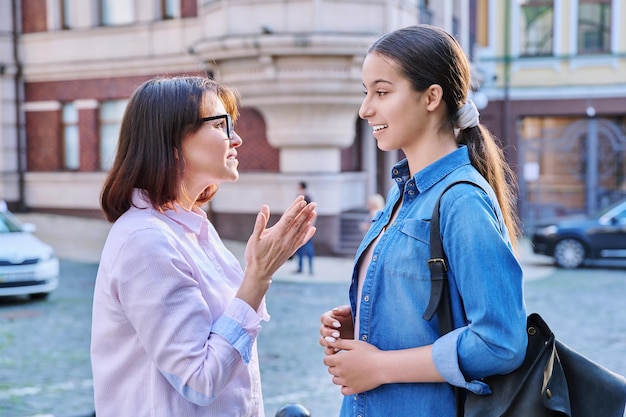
x,y
392,108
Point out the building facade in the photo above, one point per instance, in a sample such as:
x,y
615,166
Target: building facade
x,y
549,77
554,75
69,66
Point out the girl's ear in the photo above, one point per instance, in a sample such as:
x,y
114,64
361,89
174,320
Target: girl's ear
x,y
434,96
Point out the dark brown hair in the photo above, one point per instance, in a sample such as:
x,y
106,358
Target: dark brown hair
x,y
428,55
160,113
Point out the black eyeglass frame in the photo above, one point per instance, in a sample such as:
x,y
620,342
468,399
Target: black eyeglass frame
x,y
230,129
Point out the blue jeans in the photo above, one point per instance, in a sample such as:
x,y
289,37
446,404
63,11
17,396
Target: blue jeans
x,y
308,251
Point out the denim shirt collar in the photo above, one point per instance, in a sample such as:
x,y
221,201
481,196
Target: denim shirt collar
x,y
432,174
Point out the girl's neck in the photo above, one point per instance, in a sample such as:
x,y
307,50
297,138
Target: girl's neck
x,y
426,152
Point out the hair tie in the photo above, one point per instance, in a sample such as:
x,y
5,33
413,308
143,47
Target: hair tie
x,y
467,115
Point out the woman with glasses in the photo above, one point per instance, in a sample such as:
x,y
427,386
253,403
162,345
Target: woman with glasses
x,y
175,317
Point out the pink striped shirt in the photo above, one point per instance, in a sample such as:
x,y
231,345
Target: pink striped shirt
x,y
169,338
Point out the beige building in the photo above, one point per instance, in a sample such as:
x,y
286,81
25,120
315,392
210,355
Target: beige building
x,y
554,73
550,75
68,67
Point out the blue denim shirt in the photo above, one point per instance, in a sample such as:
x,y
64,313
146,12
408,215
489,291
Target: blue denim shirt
x,y
485,286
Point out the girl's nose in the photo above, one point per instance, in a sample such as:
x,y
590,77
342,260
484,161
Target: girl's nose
x,y
365,110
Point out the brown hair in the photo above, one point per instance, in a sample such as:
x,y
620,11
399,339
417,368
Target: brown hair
x,y
429,55
160,113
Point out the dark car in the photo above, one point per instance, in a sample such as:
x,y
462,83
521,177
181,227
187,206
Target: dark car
x,y
572,240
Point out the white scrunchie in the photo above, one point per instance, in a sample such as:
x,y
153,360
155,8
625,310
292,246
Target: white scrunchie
x,y
467,116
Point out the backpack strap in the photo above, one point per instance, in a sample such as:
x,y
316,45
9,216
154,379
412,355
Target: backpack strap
x,y
439,291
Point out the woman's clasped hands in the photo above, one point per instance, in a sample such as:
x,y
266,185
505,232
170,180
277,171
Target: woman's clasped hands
x,y
351,362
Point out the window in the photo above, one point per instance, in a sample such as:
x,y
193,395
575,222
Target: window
x,y
594,26
64,14
111,113
58,14
425,13
117,12
71,139
170,9
536,27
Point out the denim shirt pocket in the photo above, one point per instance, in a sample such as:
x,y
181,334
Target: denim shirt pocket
x,y
409,250
403,290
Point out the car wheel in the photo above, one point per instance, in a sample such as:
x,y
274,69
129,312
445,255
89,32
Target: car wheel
x,y
569,253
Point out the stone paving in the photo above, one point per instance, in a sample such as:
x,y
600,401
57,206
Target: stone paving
x,y
44,346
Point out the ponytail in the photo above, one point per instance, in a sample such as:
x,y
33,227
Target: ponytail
x,y
487,157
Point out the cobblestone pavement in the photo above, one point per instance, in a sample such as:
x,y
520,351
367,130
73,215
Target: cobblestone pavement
x,y
44,346
44,349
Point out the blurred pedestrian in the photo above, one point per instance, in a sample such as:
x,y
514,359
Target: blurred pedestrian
x,y
375,203
307,250
175,317
386,358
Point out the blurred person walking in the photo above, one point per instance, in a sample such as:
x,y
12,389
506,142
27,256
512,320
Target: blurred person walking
x,y
375,203
307,250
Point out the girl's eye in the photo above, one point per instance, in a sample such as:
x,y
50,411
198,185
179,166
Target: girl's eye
x,y
378,92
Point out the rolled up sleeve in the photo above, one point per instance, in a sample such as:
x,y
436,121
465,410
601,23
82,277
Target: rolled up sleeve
x,y
486,286
239,325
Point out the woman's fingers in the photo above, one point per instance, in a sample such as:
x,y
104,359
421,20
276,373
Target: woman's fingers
x,y
297,218
260,223
310,232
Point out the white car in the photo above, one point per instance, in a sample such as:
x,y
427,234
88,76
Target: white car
x,y
27,265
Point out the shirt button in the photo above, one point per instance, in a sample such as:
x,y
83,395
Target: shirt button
x,y
395,172
398,179
374,257
364,337
366,298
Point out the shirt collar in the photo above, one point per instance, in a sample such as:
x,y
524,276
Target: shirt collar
x,y
192,220
431,174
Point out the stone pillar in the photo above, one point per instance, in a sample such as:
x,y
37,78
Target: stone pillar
x,y
299,64
310,135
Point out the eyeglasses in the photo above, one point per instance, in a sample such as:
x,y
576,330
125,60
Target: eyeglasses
x,y
229,129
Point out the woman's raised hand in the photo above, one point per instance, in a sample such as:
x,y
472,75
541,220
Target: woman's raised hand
x,y
268,248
